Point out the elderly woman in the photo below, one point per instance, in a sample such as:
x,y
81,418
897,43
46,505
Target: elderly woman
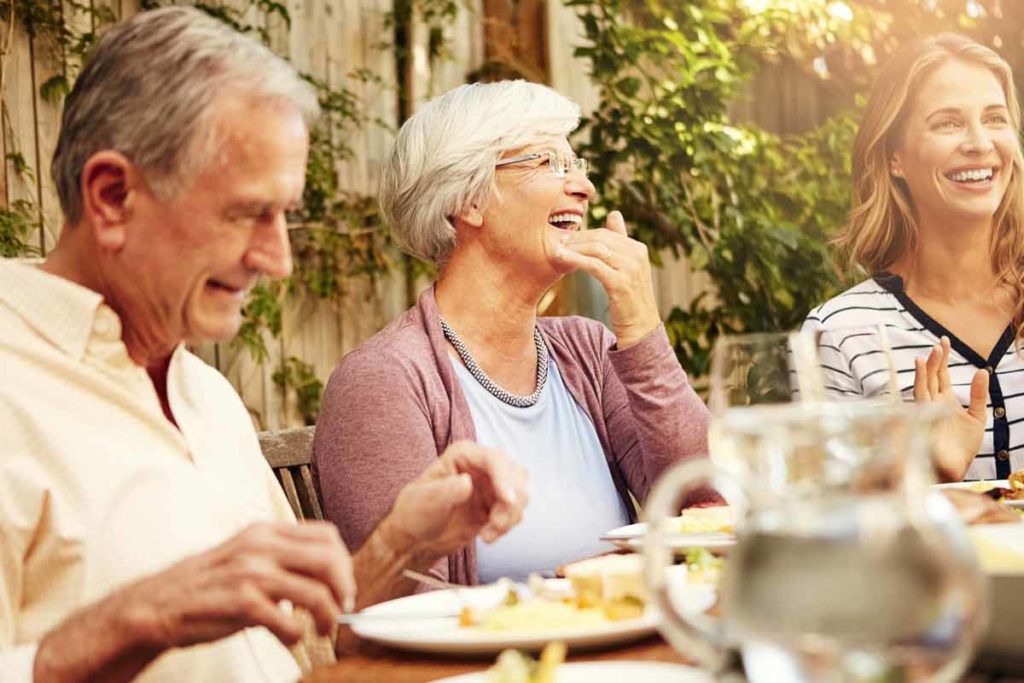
x,y
483,182
937,222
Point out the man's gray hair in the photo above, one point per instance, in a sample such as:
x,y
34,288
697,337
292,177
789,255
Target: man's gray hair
x,y
146,92
443,160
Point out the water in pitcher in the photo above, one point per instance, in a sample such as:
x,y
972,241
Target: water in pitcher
x,y
853,591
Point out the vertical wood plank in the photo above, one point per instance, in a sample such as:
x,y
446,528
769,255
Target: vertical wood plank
x,y
568,75
419,77
47,64
465,38
4,201
20,124
317,35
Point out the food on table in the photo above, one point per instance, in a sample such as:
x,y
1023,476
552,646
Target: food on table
x,y
539,614
601,590
977,508
703,566
514,666
705,520
614,583
1014,490
1001,493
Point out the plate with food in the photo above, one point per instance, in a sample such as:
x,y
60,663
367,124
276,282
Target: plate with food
x,y
706,527
601,603
1009,492
977,508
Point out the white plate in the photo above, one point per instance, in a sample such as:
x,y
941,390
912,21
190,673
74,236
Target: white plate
x,y
995,483
610,672
444,635
632,537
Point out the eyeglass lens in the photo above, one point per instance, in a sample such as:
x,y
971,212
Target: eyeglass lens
x,y
562,163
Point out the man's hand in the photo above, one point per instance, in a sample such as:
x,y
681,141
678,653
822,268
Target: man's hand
x,y
958,437
623,268
205,597
470,490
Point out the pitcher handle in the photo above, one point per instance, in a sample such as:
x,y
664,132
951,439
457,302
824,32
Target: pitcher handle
x,y
709,646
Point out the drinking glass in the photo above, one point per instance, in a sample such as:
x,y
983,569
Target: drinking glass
x,y
764,371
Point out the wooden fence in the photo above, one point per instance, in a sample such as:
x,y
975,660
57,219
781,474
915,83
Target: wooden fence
x,y
330,39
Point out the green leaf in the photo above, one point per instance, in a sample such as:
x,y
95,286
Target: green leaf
x,y
54,89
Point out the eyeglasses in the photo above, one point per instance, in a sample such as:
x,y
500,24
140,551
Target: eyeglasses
x,y
559,163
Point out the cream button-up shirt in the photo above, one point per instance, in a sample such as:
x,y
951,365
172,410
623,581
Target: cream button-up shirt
x,y
97,487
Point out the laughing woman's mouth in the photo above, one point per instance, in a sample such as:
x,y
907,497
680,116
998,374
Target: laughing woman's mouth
x,y
566,221
972,176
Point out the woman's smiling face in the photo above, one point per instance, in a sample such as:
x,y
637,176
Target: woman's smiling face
x,y
958,145
532,208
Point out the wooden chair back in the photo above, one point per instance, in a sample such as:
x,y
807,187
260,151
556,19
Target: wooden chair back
x,y
289,453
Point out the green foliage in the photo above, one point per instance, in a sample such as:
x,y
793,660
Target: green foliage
x,y
65,45
751,209
21,217
261,312
296,375
67,41
17,222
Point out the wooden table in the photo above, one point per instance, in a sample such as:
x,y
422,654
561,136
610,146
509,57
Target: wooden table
x,y
364,662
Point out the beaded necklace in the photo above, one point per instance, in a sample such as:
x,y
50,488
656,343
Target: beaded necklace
x,y
487,383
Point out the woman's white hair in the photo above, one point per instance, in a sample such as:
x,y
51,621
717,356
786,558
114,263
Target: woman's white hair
x,y
443,159
147,91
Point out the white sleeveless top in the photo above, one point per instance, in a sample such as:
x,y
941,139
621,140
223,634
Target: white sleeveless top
x,y
573,500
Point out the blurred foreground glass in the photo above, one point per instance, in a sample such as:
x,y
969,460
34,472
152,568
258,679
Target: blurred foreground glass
x,y
848,565
754,371
750,370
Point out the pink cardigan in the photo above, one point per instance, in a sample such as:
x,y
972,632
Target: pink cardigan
x,y
394,404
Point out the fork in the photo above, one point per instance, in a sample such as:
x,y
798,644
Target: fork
x,y
428,580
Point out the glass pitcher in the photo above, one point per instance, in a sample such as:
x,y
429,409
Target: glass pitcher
x,y
848,565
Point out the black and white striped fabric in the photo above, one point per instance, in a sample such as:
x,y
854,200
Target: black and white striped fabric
x,y
856,364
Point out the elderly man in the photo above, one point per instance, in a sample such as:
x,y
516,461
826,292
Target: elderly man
x,y
141,532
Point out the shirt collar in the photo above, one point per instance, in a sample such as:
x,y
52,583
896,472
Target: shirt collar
x,y
63,312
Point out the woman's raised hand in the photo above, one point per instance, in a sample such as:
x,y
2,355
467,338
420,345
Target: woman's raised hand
x,y
622,266
959,436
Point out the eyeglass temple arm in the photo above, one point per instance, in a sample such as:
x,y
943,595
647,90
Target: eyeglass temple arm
x,y
516,160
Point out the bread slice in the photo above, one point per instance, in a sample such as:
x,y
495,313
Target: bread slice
x,y
613,582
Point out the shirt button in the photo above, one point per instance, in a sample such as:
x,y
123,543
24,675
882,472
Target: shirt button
x,y
1000,411
1003,455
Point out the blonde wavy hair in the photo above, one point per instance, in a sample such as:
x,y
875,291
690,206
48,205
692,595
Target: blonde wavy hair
x,y
882,227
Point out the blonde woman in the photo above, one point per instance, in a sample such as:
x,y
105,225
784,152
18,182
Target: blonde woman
x,y
936,221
